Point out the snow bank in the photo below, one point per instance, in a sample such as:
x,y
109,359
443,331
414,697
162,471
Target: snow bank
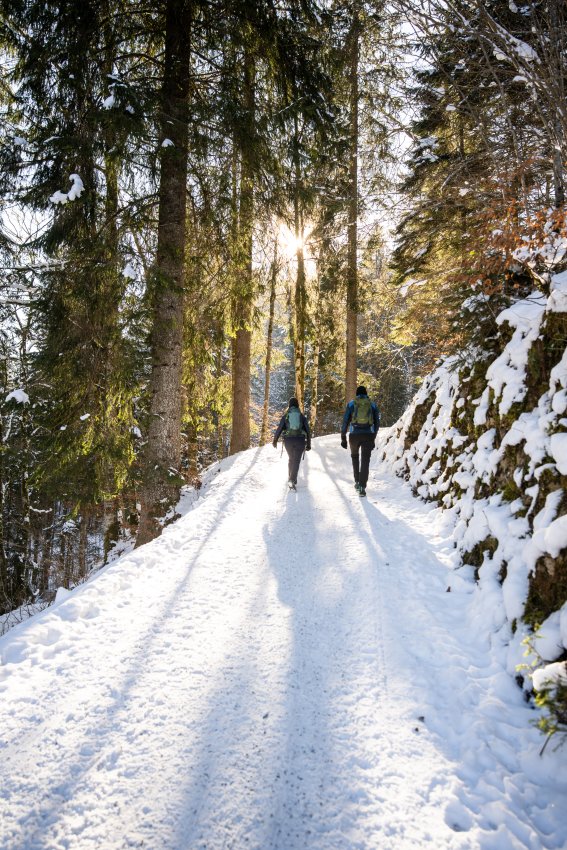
x,y
496,463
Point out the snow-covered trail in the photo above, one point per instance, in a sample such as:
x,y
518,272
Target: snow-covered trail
x,y
280,671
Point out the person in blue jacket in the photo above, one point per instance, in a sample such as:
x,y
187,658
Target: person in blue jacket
x,y
296,436
362,420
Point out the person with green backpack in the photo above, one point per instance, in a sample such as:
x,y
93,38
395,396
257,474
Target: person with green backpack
x,y
296,438
362,420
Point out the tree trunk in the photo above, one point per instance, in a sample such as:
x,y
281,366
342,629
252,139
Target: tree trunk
x,y
273,281
162,481
558,179
83,554
291,317
22,536
112,524
64,577
352,230
219,369
300,295
315,365
300,321
240,427
242,304
557,52
47,556
192,452
4,593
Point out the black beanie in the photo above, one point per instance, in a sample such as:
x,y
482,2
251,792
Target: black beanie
x,y
361,391
293,402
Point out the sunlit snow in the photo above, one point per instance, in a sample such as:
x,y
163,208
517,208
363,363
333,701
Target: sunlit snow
x,y
279,671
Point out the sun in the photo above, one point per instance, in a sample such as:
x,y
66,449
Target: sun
x,y
289,243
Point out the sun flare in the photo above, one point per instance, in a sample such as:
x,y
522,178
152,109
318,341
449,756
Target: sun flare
x,y
289,243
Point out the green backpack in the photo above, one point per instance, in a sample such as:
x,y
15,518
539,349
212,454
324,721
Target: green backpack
x,y
362,414
293,422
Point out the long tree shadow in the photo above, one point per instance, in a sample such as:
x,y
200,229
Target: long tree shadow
x,y
114,717
318,583
288,754
270,756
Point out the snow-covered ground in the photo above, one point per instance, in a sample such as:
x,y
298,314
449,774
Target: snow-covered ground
x,y
280,671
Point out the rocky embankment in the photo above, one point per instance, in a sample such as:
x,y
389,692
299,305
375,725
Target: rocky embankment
x,y
486,438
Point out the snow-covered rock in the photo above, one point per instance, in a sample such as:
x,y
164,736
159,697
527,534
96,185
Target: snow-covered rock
x,y
496,461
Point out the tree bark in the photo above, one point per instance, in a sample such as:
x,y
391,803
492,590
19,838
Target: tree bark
x,y
4,579
300,300
219,370
269,336
300,294
242,303
315,364
162,456
557,53
352,229
291,317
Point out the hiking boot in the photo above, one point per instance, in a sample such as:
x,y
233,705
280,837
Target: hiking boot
x,y
356,486
291,485
361,491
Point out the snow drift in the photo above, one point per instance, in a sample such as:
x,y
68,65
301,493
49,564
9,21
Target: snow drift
x,y
486,438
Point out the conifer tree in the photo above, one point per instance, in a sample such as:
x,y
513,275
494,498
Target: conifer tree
x,y
68,173
281,47
244,283
352,49
484,168
162,456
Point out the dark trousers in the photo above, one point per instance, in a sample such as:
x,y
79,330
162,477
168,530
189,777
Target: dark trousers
x,y
361,447
294,446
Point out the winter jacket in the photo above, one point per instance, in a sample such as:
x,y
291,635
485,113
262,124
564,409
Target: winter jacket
x,y
360,429
283,425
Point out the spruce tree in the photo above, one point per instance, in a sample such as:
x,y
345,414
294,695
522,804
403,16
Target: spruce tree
x,y
162,454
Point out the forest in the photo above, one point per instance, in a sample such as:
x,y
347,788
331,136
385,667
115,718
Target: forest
x,y
211,205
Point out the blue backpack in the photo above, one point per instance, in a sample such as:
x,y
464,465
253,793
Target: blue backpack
x,y
293,422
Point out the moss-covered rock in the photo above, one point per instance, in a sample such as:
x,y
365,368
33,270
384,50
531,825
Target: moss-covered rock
x,y
420,414
503,487
548,589
475,557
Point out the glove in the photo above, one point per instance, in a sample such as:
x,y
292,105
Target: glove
x,y
275,443
344,442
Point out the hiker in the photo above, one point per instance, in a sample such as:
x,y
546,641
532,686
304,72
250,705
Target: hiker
x,y
363,417
296,437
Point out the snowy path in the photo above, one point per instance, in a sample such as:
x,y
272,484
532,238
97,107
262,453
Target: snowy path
x,y
277,672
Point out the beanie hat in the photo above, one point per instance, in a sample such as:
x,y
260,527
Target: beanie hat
x,y
293,402
361,391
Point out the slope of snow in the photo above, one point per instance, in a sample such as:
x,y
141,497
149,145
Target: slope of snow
x,y
279,671
499,507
